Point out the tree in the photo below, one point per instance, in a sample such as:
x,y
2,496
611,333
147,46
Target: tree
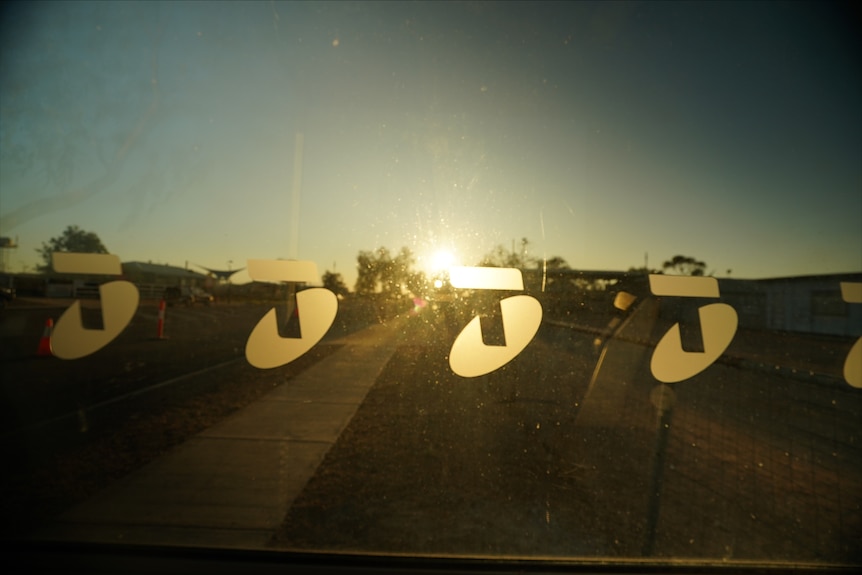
x,y
379,272
404,278
335,283
73,239
367,273
556,263
643,270
499,257
685,265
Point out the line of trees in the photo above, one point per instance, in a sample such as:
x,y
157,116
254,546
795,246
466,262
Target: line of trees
x,y
677,265
380,271
334,282
684,265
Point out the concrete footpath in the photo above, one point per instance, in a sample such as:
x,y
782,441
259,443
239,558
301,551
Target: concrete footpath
x,y
232,485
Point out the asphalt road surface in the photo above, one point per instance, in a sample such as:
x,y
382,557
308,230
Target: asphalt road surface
x,y
37,389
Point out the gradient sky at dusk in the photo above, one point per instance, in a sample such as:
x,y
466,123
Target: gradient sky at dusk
x,y
601,132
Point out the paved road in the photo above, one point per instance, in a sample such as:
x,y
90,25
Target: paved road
x,y
37,389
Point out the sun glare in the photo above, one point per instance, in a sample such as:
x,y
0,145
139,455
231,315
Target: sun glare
x,y
442,260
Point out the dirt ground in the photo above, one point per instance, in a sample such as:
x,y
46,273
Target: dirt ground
x,y
436,464
753,466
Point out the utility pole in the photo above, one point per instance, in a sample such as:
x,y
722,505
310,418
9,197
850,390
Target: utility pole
x,y
296,195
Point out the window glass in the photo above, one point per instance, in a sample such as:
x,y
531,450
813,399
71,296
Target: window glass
x,y
577,282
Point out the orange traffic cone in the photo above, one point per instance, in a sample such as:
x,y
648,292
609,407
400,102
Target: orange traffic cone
x,y
45,342
160,325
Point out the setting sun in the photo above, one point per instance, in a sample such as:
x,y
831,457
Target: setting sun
x,y
442,260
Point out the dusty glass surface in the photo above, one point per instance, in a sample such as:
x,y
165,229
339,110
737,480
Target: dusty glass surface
x,y
570,281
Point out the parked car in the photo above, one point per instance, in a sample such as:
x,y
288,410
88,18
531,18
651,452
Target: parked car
x,y
7,290
186,295
7,294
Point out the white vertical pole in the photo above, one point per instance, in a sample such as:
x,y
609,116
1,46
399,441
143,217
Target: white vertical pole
x,y
296,195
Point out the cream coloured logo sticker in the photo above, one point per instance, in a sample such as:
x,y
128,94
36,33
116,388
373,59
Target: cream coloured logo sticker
x,y
851,292
316,308
71,340
521,314
670,363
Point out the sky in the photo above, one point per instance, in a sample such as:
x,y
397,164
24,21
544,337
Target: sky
x,y
609,134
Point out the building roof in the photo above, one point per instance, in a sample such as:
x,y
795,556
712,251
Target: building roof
x,y
162,270
222,275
